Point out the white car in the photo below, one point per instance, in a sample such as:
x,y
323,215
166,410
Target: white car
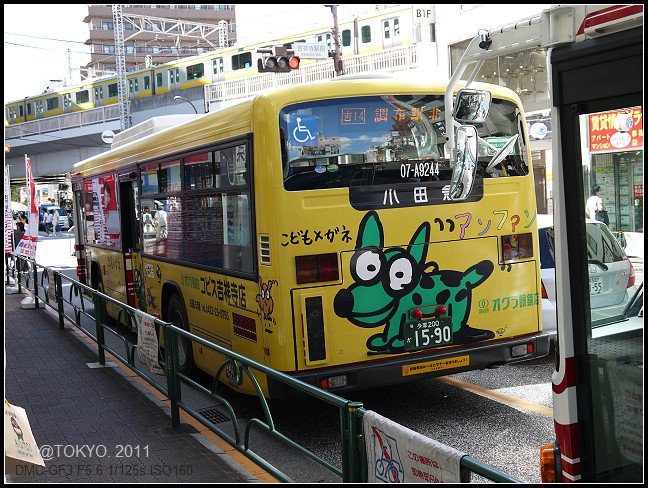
x,y
611,275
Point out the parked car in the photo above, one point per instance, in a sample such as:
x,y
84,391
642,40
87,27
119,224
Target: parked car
x,y
64,216
611,275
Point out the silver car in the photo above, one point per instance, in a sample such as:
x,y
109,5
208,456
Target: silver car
x,y
611,275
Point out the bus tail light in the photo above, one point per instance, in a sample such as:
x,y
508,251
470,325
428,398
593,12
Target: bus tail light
x,y
517,246
631,278
317,267
544,290
334,382
79,250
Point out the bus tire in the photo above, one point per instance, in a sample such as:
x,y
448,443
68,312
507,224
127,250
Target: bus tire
x,y
177,315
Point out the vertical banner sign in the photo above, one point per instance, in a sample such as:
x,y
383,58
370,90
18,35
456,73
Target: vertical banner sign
x,y
8,220
27,245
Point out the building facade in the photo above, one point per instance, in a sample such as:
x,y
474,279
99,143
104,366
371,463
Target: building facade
x,y
152,34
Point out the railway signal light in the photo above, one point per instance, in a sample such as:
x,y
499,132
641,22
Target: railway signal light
x,y
278,61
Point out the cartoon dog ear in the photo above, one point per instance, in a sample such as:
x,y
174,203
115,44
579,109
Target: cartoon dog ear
x,y
370,233
419,243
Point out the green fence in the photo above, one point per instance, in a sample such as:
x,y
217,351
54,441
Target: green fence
x,y
83,301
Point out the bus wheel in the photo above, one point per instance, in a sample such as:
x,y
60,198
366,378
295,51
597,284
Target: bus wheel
x,y
177,315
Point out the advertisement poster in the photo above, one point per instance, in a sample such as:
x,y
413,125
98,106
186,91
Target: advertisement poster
x,y
105,212
618,130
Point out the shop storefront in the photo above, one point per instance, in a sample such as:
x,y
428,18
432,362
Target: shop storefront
x,y
613,160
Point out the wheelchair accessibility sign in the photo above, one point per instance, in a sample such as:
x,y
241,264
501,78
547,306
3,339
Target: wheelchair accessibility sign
x,y
303,130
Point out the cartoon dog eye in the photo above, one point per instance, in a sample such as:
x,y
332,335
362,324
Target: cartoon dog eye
x,y
400,274
267,294
367,265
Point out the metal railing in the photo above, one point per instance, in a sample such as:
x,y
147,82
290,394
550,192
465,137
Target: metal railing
x,y
400,58
49,289
65,121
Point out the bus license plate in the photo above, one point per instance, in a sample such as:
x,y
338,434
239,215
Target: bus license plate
x,y
424,334
596,285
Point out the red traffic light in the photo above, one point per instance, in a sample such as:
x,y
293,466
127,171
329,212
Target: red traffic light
x,y
293,62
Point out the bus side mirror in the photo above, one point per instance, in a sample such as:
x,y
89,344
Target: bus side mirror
x,y
465,168
472,106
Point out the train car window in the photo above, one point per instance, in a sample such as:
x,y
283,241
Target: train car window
x,y
113,91
136,85
67,100
82,96
147,82
158,79
171,77
386,27
39,107
29,109
195,71
218,66
52,103
130,86
396,27
241,61
21,111
346,37
366,34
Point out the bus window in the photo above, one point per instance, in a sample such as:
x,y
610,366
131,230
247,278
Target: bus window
x,y
369,141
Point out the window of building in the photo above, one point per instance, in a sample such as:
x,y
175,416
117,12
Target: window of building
x,y
82,96
130,49
107,26
108,49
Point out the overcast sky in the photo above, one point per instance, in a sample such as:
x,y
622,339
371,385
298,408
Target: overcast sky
x,y
37,38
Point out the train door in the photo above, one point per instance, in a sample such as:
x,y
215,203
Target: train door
x,y
598,383
391,32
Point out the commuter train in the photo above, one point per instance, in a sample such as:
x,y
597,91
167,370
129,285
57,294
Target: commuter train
x,y
372,32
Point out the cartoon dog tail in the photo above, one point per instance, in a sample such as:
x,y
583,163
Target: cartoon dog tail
x,y
477,274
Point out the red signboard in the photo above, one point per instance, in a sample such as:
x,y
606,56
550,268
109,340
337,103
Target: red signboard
x,y
619,130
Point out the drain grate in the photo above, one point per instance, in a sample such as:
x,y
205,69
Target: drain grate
x,y
214,415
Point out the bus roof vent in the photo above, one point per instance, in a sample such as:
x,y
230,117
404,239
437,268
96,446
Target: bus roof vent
x,y
150,126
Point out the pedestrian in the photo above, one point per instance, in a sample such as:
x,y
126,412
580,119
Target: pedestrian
x,y
160,221
56,218
594,208
18,234
48,223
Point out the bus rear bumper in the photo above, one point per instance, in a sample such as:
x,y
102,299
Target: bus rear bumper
x,y
417,366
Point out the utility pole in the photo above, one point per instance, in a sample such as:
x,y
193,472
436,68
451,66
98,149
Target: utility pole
x,y
337,62
118,25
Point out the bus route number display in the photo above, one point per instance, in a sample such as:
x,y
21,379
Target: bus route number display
x,y
428,333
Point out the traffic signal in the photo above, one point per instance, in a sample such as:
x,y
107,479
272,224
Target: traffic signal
x,y
279,61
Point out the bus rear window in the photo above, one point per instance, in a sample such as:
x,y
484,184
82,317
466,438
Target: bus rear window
x,y
384,140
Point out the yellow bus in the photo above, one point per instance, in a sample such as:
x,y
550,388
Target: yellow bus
x,y
331,231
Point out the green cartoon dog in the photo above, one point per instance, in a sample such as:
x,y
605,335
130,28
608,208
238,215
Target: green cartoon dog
x,y
390,282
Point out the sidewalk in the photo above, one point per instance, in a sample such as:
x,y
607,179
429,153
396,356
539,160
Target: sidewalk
x,y
100,424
